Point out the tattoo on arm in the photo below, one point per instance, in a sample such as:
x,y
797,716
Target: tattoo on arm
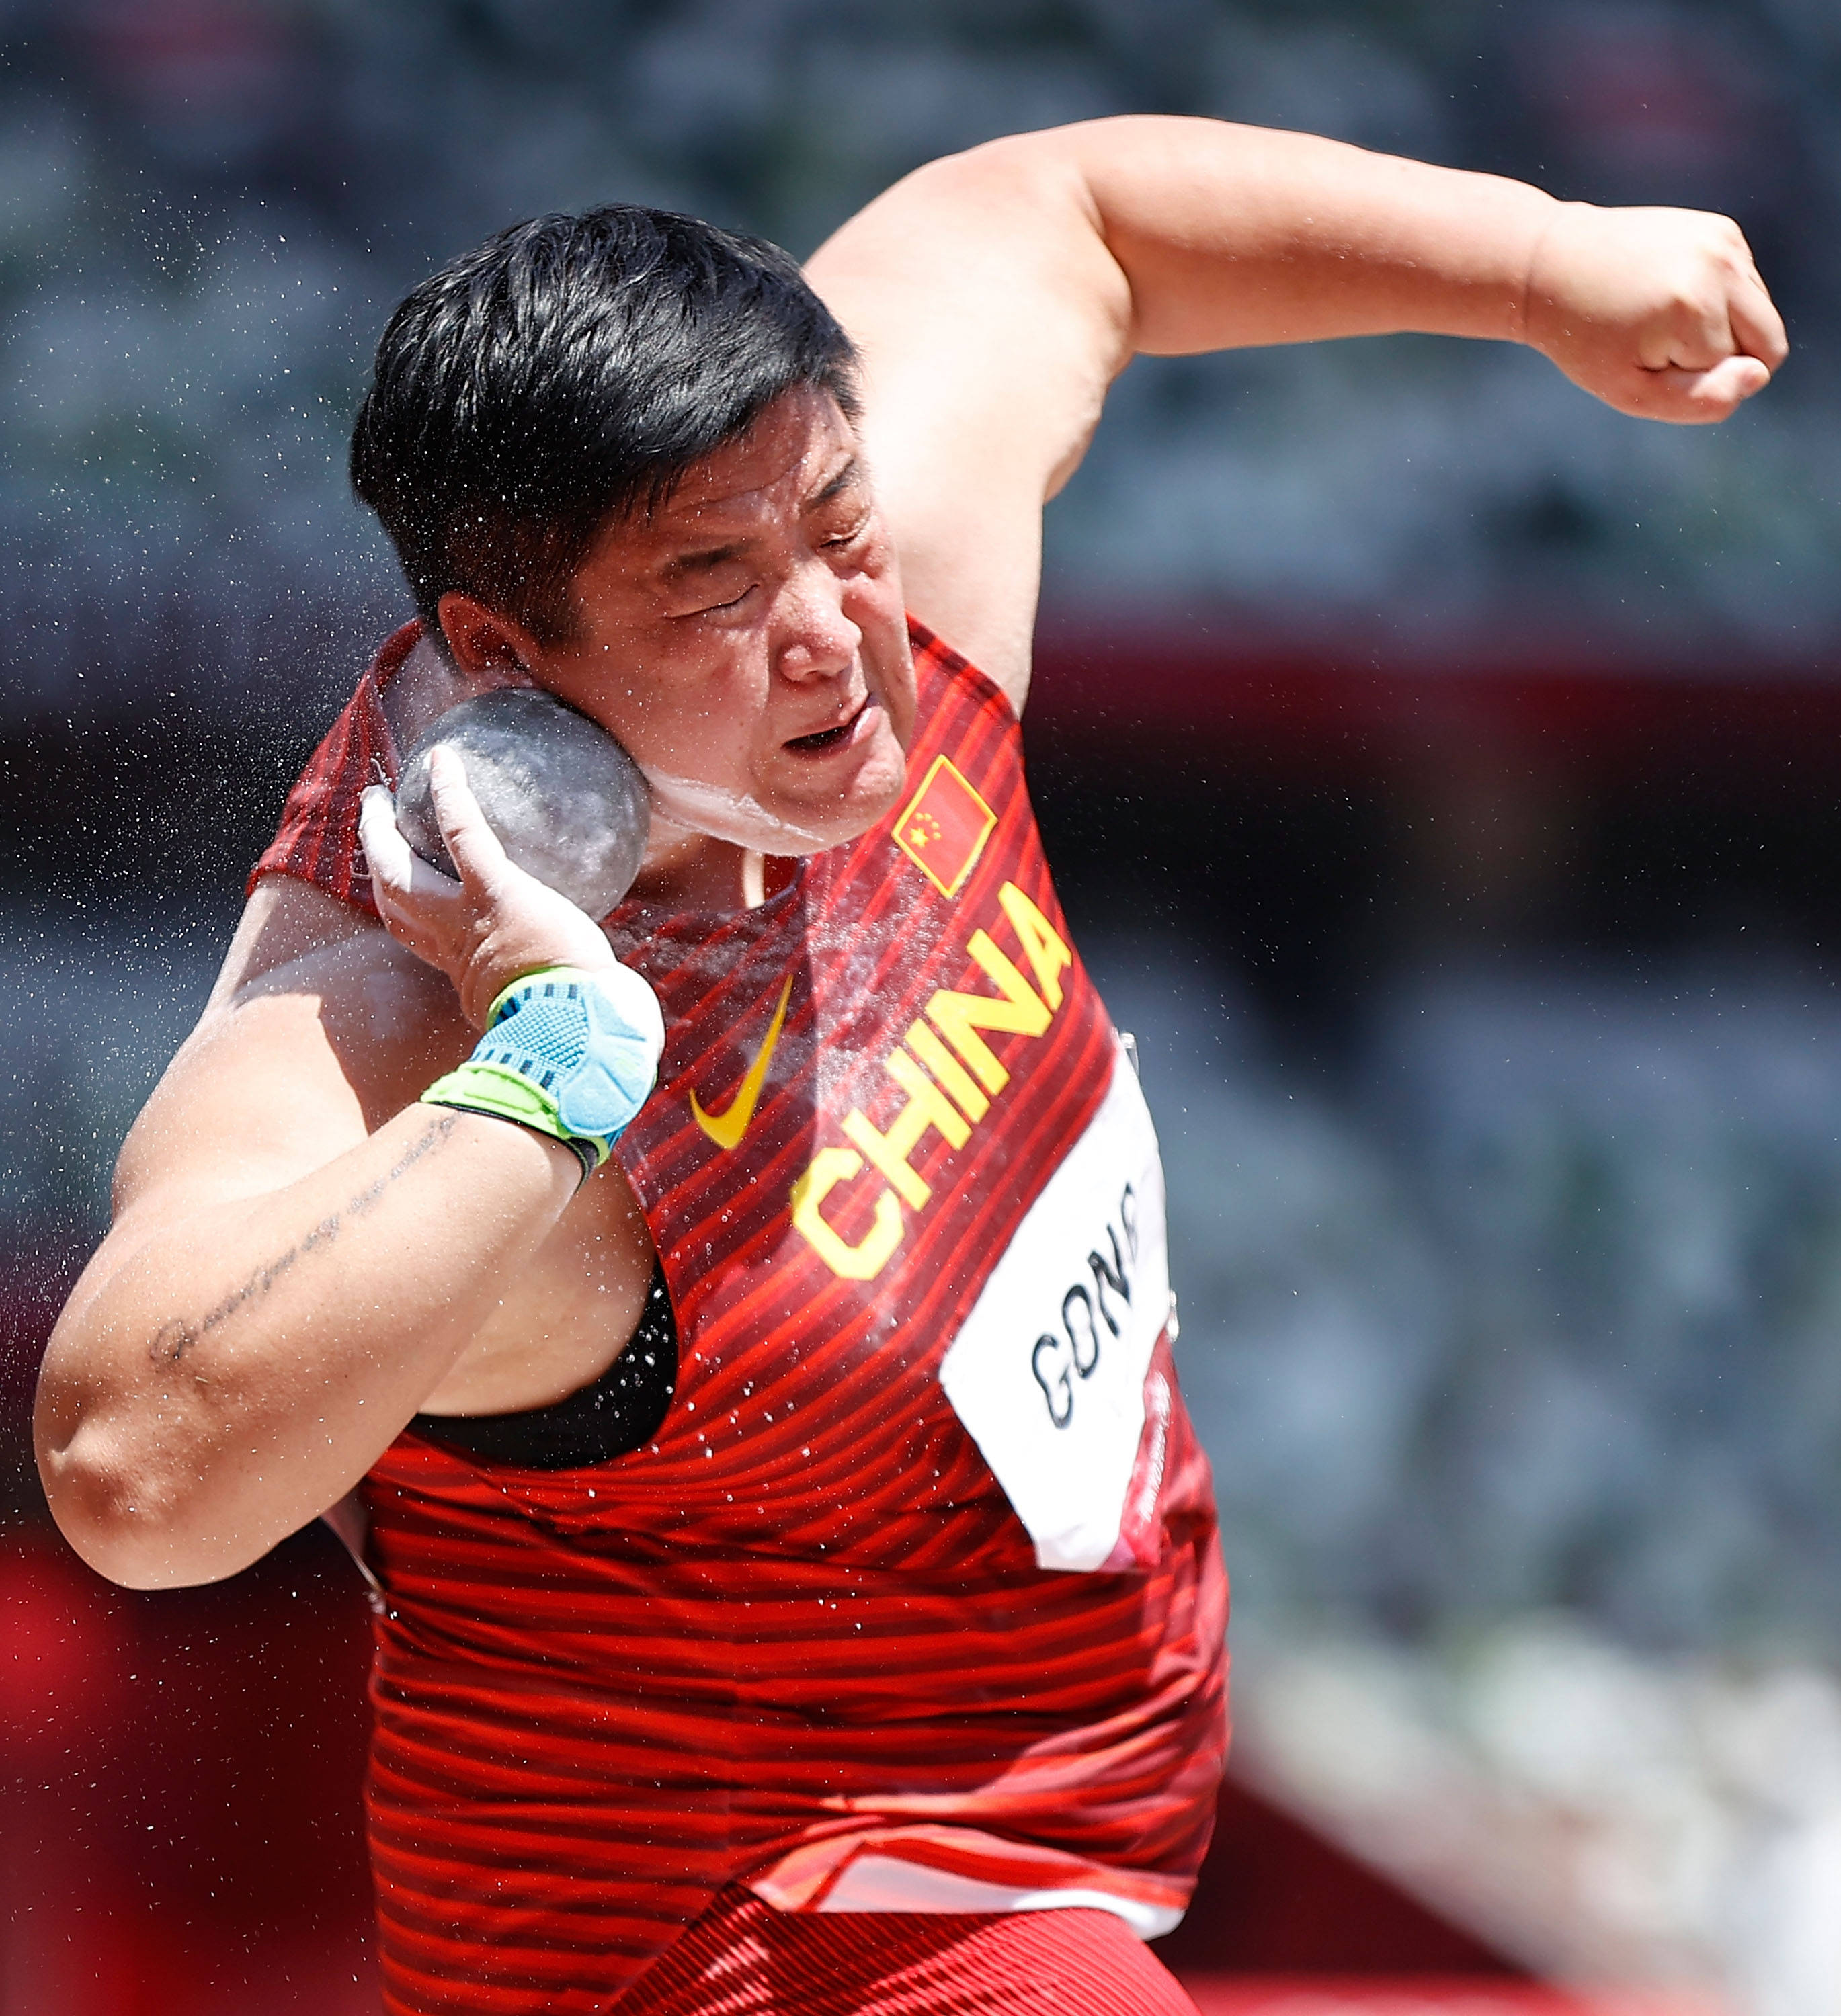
x,y
176,1336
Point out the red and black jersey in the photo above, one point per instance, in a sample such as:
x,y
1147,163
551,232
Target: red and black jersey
x,y
913,1601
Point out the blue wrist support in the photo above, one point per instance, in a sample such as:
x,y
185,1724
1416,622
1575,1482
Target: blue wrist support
x,y
570,1053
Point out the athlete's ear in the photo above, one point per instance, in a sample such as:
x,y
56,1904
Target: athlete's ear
x,y
488,649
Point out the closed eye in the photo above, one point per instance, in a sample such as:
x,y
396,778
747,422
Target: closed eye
x,y
720,608
850,538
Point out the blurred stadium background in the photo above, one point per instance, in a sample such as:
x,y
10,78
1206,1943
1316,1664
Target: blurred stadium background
x,y
1438,770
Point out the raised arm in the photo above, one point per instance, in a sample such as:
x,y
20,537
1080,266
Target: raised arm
x,y
995,295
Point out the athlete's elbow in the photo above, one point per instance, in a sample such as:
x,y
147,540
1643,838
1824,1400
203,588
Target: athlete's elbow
x,y
131,1520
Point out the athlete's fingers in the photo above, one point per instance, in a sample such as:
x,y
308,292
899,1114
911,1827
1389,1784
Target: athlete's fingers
x,y
1735,317
472,843
395,867
1660,313
1729,383
1757,328
493,924
1691,333
1697,397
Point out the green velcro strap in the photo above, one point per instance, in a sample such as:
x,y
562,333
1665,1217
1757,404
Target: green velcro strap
x,y
509,1095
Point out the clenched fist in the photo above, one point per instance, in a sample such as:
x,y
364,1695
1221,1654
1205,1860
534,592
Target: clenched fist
x,y
1660,313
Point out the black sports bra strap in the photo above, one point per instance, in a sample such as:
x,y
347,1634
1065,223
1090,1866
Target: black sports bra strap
x,y
623,1409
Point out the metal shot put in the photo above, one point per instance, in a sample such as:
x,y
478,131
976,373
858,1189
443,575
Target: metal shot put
x,y
567,802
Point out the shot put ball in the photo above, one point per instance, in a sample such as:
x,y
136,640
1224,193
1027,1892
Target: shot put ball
x,y
568,804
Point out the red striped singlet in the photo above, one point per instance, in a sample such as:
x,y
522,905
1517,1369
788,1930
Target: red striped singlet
x,y
915,1602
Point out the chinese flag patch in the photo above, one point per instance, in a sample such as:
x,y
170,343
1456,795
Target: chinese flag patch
x,y
944,830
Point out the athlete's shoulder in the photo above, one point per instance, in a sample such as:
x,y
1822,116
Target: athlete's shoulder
x,y
283,920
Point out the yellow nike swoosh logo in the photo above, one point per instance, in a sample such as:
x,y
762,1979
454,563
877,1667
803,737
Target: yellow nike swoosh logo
x,y
725,1129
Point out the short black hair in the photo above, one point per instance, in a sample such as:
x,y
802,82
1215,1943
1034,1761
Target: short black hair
x,y
568,372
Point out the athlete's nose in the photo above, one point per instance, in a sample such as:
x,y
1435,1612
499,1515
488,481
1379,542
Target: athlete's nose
x,y
818,640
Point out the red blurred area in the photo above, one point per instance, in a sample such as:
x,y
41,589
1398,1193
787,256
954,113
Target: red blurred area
x,y
180,1774
1276,1899
1357,706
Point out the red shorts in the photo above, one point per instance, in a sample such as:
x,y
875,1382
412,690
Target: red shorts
x,y
744,1958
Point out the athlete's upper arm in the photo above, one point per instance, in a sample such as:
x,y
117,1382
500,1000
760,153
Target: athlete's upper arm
x,y
283,920
317,1024
992,318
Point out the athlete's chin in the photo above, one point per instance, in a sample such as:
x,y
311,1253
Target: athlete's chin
x,y
783,822
851,805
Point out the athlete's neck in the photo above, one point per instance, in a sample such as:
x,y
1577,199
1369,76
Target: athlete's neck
x,y
691,871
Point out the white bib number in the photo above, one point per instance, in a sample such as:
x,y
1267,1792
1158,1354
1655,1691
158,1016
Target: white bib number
x,y
1047,1372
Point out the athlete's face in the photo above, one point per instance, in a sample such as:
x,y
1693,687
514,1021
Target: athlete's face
x,y
746,641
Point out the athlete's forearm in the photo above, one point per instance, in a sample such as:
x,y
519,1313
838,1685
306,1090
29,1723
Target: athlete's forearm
x,y
218,1379
1229,235
1232,235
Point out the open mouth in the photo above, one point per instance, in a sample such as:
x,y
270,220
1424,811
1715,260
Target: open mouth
x,y
831,738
